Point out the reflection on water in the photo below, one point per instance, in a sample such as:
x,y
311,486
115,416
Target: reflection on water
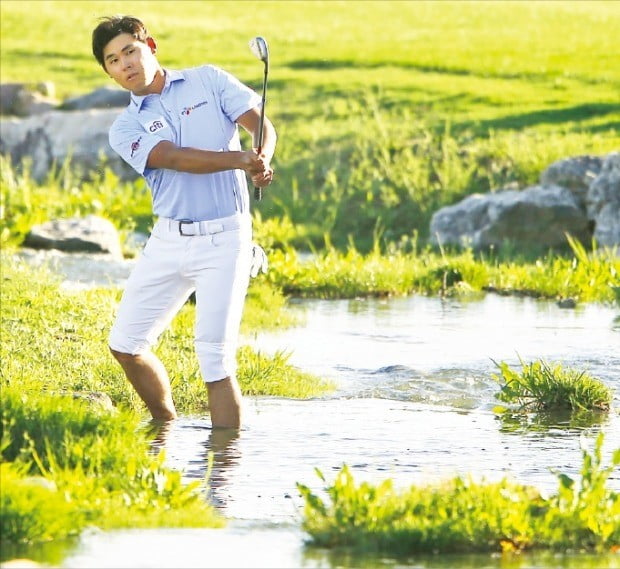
x,y
414,403
244,545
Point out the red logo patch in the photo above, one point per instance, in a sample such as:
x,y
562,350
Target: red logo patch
x,y
134,146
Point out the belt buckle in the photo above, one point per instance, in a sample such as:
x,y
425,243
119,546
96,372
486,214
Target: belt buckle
x,y
185,222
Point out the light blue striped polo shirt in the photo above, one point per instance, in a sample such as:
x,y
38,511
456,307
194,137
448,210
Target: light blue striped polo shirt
x,y
197,108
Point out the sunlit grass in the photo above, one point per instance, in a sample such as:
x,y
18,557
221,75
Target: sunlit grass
x,y
583,276
541,386
58,342
465,515
386,110
67,465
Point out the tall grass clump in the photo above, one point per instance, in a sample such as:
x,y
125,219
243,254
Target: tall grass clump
x,y
464,515
541,386
584,275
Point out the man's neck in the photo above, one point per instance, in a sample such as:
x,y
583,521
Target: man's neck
x,y
156,86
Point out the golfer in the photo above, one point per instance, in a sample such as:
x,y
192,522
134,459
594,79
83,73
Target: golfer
x,y
180,131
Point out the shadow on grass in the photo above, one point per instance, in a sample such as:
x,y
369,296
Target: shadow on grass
x,y
573,114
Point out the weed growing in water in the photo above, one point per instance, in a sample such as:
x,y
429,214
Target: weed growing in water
x,y
462,515
544,387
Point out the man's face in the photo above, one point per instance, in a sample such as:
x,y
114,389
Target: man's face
x,y
131,63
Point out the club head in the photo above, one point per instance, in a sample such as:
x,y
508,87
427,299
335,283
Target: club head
x,y
258,45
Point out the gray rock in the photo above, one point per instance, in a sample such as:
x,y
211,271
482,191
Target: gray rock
x,y
603,202
8,93
537,217
91,233
18,99
575,173
56,136
103,98
28,103
96,399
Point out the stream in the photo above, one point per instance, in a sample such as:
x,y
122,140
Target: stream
x,y
414,402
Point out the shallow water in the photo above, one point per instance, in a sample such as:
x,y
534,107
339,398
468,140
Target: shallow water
x,y
414,403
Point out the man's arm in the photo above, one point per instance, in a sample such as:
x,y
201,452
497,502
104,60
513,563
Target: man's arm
x,y
250,121
167,155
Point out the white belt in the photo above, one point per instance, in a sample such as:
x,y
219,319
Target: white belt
x,y
188,228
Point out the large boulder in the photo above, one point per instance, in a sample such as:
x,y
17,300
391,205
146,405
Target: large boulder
x,y
21,100
91,233
56,136
103,98
575,173
603,202
537,217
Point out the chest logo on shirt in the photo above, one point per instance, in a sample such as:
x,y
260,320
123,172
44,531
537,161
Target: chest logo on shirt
x,y
156,125
187,110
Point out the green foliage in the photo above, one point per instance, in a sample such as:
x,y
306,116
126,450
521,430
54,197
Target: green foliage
x,y
544,387
584,513
462,515
58,342
66,465
583,276
434,106
33,509
260,373
397,271
24,202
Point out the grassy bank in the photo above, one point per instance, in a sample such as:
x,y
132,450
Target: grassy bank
x,y
67,465
386,110
58,343
67,461
585,276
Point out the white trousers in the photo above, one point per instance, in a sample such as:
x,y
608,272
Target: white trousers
x,y
211,258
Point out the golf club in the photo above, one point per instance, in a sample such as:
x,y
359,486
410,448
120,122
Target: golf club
x,y
258,45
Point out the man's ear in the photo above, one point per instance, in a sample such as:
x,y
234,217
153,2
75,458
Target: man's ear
x,y
151,43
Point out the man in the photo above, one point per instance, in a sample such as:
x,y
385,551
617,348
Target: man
x,y
180,132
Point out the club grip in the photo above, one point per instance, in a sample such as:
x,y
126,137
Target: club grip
x,y
258,194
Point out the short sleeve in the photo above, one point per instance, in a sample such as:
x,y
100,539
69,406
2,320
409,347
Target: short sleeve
x,y
235,97
132,142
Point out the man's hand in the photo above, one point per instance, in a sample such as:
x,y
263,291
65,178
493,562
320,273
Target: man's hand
x,y
263,179
252,163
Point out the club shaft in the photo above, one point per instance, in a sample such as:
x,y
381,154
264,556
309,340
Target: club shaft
x,y
258,192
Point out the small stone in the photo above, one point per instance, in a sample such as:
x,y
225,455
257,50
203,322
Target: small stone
x,y
567,303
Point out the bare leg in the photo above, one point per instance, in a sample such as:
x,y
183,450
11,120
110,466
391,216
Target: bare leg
x,y
149,377
225,403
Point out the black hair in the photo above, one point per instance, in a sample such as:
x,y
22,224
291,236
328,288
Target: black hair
x,y
112,26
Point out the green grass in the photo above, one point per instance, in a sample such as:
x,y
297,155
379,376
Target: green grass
x,y
583,276
67,465
386,110
58,342
541,386
464,515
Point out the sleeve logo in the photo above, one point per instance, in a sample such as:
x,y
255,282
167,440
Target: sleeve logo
x,y
155,125
135,145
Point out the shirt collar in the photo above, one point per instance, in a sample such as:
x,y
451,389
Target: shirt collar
x,y
171,76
